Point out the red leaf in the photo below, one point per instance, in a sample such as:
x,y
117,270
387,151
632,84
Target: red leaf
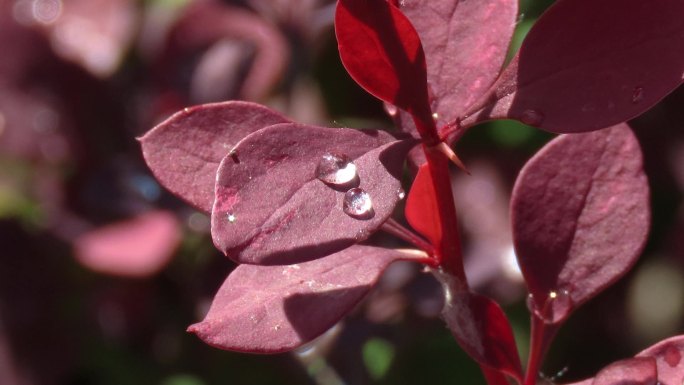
x,y
483,331
586,65
669,355
465,45
382,52
271,309
580,212
138,247
270,207
421,210
185,150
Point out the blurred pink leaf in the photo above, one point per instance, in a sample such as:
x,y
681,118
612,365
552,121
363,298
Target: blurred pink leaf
x,y
92,33
633,371
587,65
206,22
185,150
138,247
581,214
271,208
272,309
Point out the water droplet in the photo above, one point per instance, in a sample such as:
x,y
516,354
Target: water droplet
x,y
401,193
231,218
391,110
435,116
532,117
186,110
336,169
556,307
357,203
637,94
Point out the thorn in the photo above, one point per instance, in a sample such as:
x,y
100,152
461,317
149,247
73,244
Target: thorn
x,y
446,150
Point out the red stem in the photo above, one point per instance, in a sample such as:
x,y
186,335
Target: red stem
x,y
541,336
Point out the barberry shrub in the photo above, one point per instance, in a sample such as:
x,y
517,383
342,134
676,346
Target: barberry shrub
x,y
294,204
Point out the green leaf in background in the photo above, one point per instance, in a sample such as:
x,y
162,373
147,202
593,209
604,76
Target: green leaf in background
x,y
183,379
378,355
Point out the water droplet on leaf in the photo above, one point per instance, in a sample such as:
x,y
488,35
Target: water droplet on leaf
x,y
556,307
532,117
637,95
336,169
391,110
401,193
231,218
357,203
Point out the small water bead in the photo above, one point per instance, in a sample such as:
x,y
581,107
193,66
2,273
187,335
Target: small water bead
x,y
532,117
401,193
336,169
556,307
357,203
231,218
391,110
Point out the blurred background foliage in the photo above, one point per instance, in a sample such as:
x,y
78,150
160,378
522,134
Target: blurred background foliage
x,y
102,270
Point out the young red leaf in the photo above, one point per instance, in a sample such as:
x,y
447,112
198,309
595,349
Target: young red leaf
x,y
272,309
137,247
465,45
586,65
483,331
421,209
185,150
669,355
580,212
271,207
382,52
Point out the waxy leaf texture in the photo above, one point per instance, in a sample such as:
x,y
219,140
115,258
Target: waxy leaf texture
x,y
465,44
271,208
587,64
633,371
483,331
580,213
382,52
272,309
184,151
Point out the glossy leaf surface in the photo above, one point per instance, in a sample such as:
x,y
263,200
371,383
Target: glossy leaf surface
x,y
669,355
382,52
580,212
184,151
271,309
272,209
483,331
465,44
587,65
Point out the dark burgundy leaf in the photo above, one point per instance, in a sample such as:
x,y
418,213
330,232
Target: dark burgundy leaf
x,y
580,212
586,65
465,45
421,209
483,331
271,309
669,355
207,23
382,52
270,207
184,151
633,371
138,247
